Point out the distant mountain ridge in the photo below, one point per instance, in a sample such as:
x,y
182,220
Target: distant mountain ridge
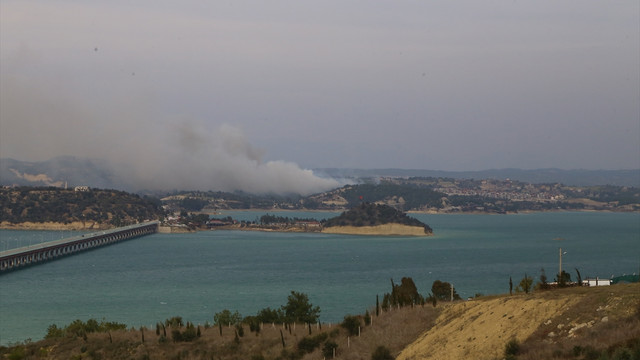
x,y
60,172
100,173
576,177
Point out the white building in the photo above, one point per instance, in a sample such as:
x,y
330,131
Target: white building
x,y
596,282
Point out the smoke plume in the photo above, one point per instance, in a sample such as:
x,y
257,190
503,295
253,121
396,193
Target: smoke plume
x,y
146,150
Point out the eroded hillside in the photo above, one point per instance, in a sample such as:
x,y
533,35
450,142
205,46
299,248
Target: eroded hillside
x,y
566,323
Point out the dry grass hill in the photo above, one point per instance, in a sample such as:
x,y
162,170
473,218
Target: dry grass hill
x,y
572,323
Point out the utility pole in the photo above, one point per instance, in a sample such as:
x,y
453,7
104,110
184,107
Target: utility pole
x,y
452,292
560,265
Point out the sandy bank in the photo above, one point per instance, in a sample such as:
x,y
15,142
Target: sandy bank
x,y
385,229
480,329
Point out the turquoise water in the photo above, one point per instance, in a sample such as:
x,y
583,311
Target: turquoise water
x,y
149,279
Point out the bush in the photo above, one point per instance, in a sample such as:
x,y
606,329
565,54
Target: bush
x,y
351,324
254,324
54,332
175,321
309,344
511,349
189,334
381,353
622,354
328,348
299,309
525,284
81,329
441,290
17,354
268,316
240,330
225,317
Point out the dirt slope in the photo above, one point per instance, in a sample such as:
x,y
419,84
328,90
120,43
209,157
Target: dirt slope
x,y
479,329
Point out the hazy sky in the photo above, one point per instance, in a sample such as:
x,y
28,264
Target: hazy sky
x,y
443,85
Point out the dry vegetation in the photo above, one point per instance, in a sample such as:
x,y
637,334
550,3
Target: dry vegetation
x,y
394,329
573,323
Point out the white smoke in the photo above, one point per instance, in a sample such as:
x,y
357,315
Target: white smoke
x,y
147,150
223,159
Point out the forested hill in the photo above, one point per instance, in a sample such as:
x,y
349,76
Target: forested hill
x,y
368,214
94,207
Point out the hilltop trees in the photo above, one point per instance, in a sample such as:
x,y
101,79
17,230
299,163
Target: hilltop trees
x,y
563,279
299,309
525,284
226,317
442,290
406,293
43,204
367,214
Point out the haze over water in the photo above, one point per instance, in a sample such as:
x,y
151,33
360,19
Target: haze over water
x,y
146,280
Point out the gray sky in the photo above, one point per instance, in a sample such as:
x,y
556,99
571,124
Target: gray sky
x,y
444,85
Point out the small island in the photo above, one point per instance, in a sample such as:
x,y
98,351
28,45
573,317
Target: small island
x,y
376,219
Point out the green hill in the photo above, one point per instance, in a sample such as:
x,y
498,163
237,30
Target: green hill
x,y
368,214
93,207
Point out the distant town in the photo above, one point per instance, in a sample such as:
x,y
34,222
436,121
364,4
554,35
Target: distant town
x,y
81,206
423,194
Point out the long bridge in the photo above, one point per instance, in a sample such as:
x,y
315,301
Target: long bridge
x,y
17,258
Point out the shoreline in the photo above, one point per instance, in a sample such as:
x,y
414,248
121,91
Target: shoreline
x,y
80,226
54,226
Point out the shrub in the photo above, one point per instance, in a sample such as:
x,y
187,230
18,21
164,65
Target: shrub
x,y
190,333
175,321
176,335
351,324
309,344
268,316
441,290
621,354
590,353
299,309
381,353
254,324
328,348
54,332
81,329
225,317
240,329
511,349
525,284
17,354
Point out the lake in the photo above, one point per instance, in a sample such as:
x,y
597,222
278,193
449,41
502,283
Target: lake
x,y
149,279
